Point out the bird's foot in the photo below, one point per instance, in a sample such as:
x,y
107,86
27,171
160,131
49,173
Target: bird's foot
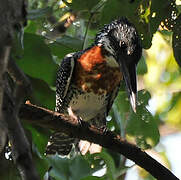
x,y
85,146
74,116
104,129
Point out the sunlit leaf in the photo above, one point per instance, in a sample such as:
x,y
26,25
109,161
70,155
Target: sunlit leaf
x,y
133,12
141,67
31,27
174,114
161,10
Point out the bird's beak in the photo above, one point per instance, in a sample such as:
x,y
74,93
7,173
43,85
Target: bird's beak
x,y
129,75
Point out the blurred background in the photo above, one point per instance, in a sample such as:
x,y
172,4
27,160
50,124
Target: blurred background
x,y
58,27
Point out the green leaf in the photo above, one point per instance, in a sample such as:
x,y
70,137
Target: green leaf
x,y
122,104
60,50
39,13
72,169
115,123
79,5
93,178
176,97
40,137
60,167
142,124
65,45
41,165
94,161
143,29
121,109
133,12
37,60
31,27
116,9
110,165
70,42
141,67
161,10
42,94
79,168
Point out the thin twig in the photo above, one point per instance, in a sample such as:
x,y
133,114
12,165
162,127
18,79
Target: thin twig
x,y
23,86
85,35
92,12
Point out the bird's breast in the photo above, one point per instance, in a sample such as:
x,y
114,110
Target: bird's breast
x,y
96,72
88,105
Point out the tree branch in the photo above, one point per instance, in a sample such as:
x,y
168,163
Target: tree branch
x,y
21,150
13,100
56,121
4,56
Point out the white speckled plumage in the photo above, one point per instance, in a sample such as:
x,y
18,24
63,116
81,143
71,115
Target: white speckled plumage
x,y
119,37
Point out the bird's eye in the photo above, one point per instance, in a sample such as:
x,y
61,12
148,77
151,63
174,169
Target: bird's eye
x,y
122,44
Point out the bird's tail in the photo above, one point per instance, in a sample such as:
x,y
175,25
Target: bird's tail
x,y
59,143
62,144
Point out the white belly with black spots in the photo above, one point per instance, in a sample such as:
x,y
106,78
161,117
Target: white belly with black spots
x,y
88,105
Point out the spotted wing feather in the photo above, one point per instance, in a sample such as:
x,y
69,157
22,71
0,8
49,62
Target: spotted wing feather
x,y
60,142
64,77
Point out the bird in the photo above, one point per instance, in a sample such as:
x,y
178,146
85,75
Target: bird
x,y
88,81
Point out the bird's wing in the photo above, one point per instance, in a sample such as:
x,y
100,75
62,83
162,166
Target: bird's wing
x,y
60,142
64,77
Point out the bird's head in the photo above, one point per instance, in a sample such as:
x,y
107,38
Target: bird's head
x,y
120,39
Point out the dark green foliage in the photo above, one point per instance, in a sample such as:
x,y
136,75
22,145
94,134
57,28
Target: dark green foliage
x,y
176,40
40,58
